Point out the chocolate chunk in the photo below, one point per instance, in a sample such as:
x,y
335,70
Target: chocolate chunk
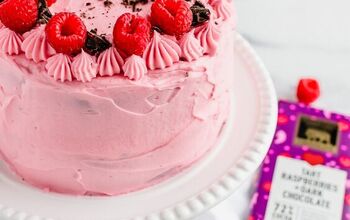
x,y
96,44
107,3
44,12
133,3
200,13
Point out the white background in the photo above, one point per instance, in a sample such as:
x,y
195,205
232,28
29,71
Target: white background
x,y
295,38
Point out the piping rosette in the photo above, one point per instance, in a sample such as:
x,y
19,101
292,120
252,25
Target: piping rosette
x,y
36,46
222,8
59,67
110,62
208,35
10,42
191,48
135,67
84,67
161,52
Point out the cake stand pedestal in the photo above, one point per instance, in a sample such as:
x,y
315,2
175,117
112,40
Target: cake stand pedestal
x,y
240,150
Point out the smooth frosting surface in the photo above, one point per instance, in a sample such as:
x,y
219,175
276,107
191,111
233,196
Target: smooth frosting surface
x,y
111,134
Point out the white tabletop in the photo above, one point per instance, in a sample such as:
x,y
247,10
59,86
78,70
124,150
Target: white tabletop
x,y
295,38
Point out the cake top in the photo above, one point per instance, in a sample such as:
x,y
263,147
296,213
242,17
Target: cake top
x,y
81,40
101,15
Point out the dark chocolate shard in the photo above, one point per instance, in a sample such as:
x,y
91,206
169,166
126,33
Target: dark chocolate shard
x,y
108,3
96,44
44,12
155,28
200,13
133,3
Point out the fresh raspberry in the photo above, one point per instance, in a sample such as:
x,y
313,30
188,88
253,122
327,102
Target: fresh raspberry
x,y
131,34
308,91
19,15
173,17
66,33
50,2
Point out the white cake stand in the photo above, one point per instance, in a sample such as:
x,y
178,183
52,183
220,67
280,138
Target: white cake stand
x,y
240,151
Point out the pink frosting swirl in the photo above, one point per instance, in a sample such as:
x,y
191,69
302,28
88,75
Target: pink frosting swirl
x,y
161,52
191,48
84,67
110,62
222,8
59,67
10,42
36,47
209,35
135,67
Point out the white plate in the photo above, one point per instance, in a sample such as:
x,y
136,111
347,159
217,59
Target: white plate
x,y
240,151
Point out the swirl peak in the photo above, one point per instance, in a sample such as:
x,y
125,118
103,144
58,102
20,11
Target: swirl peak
x,y
10,42
161,52
208,35
36,47
191,48
222,8
84,67
135,67
110,62
59,67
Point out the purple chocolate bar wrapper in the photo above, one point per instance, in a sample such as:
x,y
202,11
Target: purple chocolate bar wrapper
x,y
284,144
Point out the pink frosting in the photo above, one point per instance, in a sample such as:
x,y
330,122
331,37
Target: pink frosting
x,y
112,135
97,15
84,67
10,42
222,8
161,52
36,47
135,67
59,67
110,62
209,35
191,48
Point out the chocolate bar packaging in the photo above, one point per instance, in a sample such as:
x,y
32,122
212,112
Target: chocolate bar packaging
x,y
305,175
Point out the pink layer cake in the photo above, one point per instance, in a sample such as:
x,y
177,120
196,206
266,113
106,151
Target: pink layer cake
x,y
104,97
